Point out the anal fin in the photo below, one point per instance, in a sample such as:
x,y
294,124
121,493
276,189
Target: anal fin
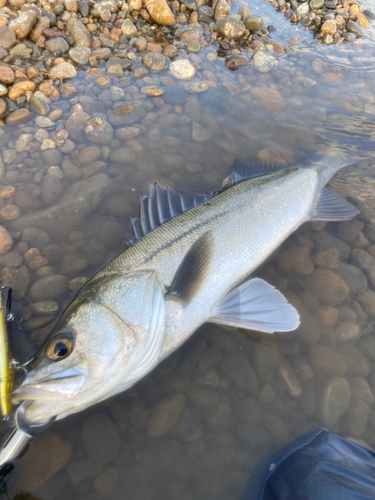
x,y
331,207
256,305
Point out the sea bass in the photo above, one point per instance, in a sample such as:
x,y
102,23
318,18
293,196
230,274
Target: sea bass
x,y
186,266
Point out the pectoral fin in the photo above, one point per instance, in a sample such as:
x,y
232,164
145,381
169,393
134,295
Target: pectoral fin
x,y
256,305
331,207
193,270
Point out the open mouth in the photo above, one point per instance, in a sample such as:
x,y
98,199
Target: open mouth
x,y
67,382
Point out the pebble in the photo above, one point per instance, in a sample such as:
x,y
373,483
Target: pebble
x,y
155,62
174,95
6,241
7,37
357,417
165,416
328,286
48,288
353,277
328,259
229,27
199,133
367,301
269,98
128,28
297,260
160,12
23,24
254,23
327,361
78,32
240,372
98,131
347,331
335,400
64,70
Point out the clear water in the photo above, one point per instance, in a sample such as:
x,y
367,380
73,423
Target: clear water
x,y
227,419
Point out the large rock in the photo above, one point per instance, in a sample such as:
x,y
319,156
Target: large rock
x,y
24,23
49,288
78,201
160,12
155,62
78,32
182,69
6,241
353,277
99,131
64,70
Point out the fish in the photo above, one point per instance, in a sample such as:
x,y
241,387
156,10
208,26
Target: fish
x,y
187,264
6,355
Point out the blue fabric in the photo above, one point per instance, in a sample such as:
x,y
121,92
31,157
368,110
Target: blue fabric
x,y
316,466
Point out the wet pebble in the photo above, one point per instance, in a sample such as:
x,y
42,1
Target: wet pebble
x,y
165,416
49,288
335,400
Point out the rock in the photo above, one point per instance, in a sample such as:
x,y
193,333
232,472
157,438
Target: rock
x,y
357,364
100,438
80,55
269,98
327,286
328,259
296,260
194,87
107,483
23,24
204,397
140,43
123,156
229,27
126,114
287,374
364,261
362,390
52,189
222,9
325,241
316,4
327,361
127,133
160,12
19,116
18,279
357,417
64,70
48,455
49,288
182,69
347,231
99,131
10,212
77,121
236,61
7,38
327,315
240,372
128,29
155,62
190,35
353,277
247,411
39,105
335,400
277,429
328,27
57,43
36,237
302,11
367,301
78,32
346,331
165,416
11,259
6,241
355,28
199,133
7,75
3,107
41,24
79,200
254,23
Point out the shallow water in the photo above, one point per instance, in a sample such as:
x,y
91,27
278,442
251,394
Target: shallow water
x,y
226,399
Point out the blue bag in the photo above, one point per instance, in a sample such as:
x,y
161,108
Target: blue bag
x,y
316,466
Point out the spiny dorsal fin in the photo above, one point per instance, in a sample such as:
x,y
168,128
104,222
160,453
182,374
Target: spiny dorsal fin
x,y
245,169
193,270
161,205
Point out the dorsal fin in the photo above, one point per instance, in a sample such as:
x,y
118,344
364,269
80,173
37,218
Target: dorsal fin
x,y
161,205
245,169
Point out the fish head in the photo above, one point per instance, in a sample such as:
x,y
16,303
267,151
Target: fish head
x,y
109,337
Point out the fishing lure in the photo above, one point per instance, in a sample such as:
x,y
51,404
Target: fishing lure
x,y
6,353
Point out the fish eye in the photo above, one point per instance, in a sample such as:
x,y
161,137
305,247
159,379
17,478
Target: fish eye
x,y
59,348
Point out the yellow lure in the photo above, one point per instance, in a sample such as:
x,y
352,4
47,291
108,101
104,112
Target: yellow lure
x,y
6,355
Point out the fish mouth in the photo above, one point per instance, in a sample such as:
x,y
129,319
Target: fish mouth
x,y
68,383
